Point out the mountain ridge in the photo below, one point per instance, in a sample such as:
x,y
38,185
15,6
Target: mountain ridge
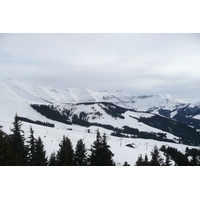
x,y
70,95
30,93
22,98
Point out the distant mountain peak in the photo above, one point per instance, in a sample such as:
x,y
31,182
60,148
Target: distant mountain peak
x,y
47,94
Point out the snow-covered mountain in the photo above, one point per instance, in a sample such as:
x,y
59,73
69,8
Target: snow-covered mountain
x,y
79,112
44,94
32,93
162,104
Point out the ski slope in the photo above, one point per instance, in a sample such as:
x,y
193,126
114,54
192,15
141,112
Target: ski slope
x,y
51,138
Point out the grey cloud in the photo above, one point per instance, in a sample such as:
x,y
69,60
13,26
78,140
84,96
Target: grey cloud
x,y
139,63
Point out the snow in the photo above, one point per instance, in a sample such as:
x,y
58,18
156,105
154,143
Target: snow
x,y
43,94
15,97
196,117
173,114
51,138
104,118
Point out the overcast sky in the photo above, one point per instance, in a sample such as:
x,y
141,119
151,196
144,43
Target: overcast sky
x,y
137,63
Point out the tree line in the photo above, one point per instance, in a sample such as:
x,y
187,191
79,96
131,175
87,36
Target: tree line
x,y
16,150
172,156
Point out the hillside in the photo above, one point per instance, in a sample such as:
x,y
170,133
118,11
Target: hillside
x,y
126,119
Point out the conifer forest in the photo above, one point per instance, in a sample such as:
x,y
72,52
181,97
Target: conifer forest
x,y
16,150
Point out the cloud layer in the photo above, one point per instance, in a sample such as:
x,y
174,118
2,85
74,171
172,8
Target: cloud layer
x,y
137,63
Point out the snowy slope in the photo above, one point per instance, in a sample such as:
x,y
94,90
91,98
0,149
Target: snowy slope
x,y
52,137
16,97
95,114
42,94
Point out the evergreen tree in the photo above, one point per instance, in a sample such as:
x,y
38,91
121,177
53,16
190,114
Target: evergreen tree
x,y
31,148
40,153
52,160
95,157
126,164
106,153
194,160
140,161
146,162
167,160
101,154
181,159
156,159
80,156
7,156
17,141
65,154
